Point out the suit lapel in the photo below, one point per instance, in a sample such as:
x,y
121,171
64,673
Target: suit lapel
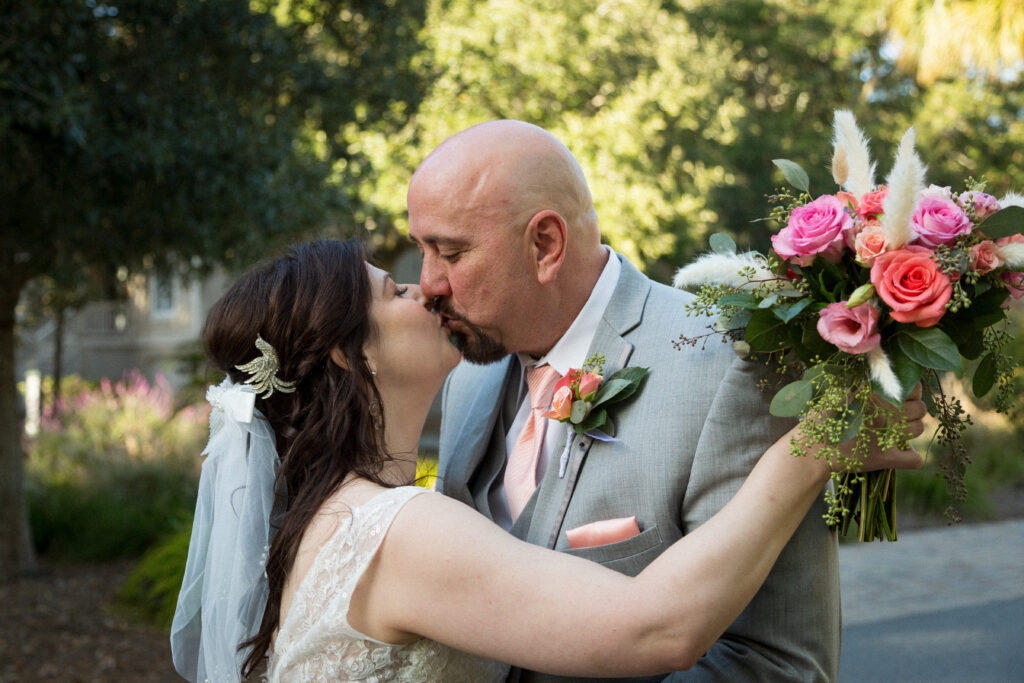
x,y
470,446
546,510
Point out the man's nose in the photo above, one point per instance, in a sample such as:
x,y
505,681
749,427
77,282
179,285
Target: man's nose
x,y
433,283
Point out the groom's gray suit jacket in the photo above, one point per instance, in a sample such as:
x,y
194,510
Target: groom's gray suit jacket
x,y
686,442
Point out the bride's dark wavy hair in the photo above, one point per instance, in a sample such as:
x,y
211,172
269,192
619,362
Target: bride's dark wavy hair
x,y
314,299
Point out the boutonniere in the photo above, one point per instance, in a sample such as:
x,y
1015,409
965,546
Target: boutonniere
x,y
583,397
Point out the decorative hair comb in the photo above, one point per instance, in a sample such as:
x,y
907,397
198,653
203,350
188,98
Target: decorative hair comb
x,y
264,371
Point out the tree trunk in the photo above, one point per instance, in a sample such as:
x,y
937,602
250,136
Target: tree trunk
x,y
58,362
17,555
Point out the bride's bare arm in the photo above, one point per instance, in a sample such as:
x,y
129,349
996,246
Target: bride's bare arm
x,y
447,573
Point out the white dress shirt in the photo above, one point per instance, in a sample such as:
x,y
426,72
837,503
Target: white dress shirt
x,y
570,351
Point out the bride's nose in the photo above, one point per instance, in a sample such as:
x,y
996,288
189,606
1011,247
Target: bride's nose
x,y
417,295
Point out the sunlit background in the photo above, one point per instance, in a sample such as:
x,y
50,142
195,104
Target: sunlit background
x,y
150,149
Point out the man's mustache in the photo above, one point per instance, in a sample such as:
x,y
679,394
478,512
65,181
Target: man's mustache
x,y
444,308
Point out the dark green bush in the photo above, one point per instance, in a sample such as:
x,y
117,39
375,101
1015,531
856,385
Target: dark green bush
x,y
120,510
151,590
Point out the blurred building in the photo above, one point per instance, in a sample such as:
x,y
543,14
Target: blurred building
x,y
154,329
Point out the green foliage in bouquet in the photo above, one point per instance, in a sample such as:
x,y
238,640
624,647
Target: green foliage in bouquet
x,y
866,294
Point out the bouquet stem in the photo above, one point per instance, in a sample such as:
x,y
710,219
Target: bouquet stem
x,y
869,499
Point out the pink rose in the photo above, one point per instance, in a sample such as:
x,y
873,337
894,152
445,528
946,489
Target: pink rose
x,y
938,221
561,404
853,330
815,228
984,204
869,243
588,385
986,257
1014,283
871,202
910,282
1012,239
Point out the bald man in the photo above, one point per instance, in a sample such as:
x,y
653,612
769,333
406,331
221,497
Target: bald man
x,y
513,260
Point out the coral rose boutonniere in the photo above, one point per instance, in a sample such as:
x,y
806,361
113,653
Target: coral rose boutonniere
x,y
583,397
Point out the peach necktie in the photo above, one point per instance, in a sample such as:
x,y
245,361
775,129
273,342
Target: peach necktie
x,y
521,470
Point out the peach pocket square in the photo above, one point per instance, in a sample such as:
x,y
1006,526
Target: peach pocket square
x,y
603,532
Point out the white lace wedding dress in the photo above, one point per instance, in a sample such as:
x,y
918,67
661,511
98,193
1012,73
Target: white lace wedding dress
x,y
316,642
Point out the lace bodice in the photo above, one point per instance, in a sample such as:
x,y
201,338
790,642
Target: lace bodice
x,y
316,642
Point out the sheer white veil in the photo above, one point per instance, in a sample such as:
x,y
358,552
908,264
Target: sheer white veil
x,y
224,590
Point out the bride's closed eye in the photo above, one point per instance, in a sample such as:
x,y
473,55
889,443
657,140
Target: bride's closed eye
x,y
400,291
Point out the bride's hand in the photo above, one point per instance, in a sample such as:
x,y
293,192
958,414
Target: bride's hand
x,y
914,410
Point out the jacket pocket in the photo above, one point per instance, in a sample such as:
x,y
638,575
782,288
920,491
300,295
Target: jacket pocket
x,y
627,557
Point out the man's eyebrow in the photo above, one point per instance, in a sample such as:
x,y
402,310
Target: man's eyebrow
x,y
442,241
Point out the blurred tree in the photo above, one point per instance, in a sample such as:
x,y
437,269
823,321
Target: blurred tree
x,y
175,135
674,109
946,38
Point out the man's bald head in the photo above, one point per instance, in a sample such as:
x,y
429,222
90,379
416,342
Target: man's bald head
x,y
510,170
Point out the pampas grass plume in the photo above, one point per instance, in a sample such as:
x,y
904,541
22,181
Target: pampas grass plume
x,y
1013,255
905,183
882,373
860,178
722,269
1012,199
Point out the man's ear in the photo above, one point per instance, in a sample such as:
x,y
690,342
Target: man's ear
x,y
547,231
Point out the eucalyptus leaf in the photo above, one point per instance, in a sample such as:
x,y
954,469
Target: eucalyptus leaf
x,y
786,312
930,347
792,399
907,372
580,411
794,174
1003,223
736,321
722,243
610,390
984,375
597,418
768,301
738,299
765,332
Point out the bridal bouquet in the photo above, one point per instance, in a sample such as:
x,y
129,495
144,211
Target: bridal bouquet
x,y
866,293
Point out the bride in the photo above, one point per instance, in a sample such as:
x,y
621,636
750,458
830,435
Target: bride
x,y
311,553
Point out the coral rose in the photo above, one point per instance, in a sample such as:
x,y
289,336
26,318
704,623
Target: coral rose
x,y
561,404
871,202
910,282
986,257
938,221
588,385
853,330
814,228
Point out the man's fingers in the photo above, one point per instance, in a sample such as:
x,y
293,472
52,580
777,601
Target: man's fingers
x,y
915,394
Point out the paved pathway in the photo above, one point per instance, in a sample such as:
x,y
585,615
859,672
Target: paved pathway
x,y
943,604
